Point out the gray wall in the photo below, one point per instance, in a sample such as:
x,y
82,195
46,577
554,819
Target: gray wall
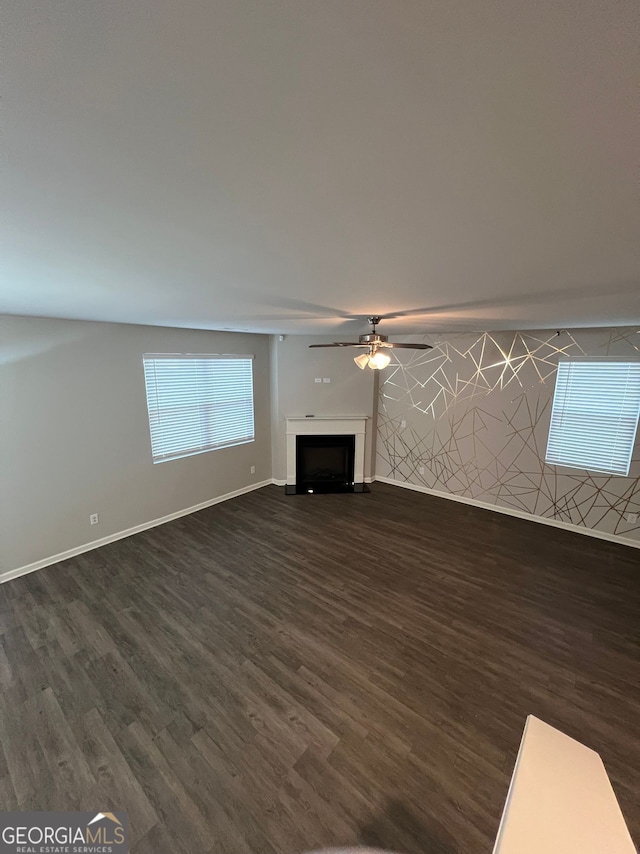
x,y
471,418
294,368
75,434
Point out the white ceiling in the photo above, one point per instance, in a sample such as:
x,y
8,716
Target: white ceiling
x,y
285,166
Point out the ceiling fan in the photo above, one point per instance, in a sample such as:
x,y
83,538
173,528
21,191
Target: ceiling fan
x,y
375,344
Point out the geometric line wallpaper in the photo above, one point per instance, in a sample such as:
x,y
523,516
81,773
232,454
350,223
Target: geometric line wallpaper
x,y
476,411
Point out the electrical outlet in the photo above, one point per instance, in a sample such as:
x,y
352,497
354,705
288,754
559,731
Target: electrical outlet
x,y
253,469
632,517
403,424
93,519
318,380
421,469
326,379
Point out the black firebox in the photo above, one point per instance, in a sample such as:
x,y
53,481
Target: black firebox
x,y
325,464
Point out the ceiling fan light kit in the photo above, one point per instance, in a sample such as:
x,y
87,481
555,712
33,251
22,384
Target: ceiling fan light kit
x,y
375,344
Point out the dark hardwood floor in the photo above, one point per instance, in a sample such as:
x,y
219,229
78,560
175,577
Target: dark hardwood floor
x,y
276,674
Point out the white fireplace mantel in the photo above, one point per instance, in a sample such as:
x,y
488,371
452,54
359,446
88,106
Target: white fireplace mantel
x,y
326,425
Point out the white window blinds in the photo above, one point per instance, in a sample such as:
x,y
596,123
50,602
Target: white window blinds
x,y
198,403
595,415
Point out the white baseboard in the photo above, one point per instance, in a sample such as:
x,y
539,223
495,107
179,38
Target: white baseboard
x,y
120,535
508,511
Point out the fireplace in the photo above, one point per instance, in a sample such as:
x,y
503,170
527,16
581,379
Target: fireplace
x,y
325,463
333,459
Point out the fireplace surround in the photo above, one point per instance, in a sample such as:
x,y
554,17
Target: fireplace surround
x,y
336,458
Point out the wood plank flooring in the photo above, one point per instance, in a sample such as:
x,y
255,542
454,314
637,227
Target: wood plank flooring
x,y
276,674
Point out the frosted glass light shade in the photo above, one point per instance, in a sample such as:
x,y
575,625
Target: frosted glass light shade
x,y
362,360
379,360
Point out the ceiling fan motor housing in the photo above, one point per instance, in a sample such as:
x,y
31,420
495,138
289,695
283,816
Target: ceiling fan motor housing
x,y
373,338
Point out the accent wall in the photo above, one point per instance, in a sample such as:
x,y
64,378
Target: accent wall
x,y
470,418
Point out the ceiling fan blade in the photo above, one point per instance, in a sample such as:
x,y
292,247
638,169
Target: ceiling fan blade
x,y
408,346
338,344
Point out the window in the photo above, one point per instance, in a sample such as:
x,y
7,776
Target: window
x,y
595,415
198,403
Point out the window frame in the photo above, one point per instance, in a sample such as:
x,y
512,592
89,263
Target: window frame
x,y
627,361
195,357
